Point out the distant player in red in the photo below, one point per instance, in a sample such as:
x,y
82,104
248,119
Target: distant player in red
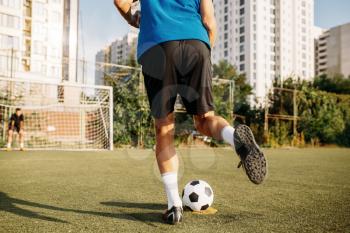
x,y
16,125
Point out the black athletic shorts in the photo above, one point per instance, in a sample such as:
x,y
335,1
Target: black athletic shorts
x,y
15,128
178,68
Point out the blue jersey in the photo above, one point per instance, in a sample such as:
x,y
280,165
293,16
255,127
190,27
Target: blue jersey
x,y
167,20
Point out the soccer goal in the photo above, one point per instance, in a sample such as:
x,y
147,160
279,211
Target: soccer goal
x,y
59,116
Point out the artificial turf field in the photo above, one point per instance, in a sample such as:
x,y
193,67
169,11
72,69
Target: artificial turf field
x,y
307,190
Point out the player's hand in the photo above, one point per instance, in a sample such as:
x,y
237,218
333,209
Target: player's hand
x,y
135,19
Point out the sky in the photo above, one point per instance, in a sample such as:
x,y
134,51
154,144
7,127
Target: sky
x,y
101,24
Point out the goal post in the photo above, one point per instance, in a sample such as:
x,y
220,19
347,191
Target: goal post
x,y
59,116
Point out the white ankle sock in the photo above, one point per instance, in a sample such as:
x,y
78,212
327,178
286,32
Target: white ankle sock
x,y
227,135
8,145
22,145
171,189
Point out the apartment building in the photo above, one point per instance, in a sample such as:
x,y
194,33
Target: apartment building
x,y
117,53
333,51
102,56
38,39
266,39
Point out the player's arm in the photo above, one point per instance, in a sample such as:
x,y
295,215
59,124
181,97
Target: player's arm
x,y
124,8
208,19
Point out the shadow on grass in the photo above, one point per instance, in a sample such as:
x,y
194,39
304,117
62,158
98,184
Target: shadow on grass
x,y
9,204
148,206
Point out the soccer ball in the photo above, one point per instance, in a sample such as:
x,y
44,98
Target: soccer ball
x,y
197,195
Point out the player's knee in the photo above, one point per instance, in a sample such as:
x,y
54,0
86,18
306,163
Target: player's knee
x,y
198,123
162,129
164,125
200,120
10,133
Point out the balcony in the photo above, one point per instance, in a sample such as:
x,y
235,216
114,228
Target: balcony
x,y
27,12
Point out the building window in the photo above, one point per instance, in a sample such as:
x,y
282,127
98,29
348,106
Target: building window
x,y
241,2
241,58
9,21
9,42
241,20
241,39
241,11
241,30
241,48
242,67
16,4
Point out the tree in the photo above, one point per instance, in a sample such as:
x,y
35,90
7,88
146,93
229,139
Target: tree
x,y
242,90
132,118
323,115
336,84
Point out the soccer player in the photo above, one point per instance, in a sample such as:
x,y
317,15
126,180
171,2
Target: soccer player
x,y
16,124
174,49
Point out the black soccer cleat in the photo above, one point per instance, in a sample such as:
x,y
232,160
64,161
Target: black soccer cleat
x,y
252,158
173,216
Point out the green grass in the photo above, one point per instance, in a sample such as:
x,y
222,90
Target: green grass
x,y
307,191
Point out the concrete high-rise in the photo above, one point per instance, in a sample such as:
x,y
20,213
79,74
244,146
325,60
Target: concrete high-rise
x,y
317,33
102,56
265,39
38,39
117,53
333,51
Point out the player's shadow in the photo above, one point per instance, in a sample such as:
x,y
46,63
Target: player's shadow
x,y
134,205
10,205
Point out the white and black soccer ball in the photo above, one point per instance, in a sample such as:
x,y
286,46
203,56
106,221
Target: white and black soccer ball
x,y
197,195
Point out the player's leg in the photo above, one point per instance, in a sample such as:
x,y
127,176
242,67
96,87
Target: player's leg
x,y
198,99
165,150
160,81
10,138
167,159
21,139
214,126
196,93
241,138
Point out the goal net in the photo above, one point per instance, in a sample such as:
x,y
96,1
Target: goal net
x,y
58,116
